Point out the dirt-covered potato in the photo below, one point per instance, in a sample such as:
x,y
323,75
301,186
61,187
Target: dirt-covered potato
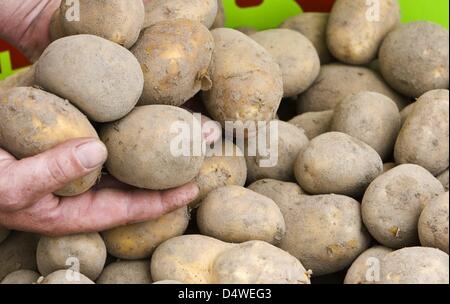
x,y
141,147
105,87
220,17
314,123
119,21
21,277
33,121
203,11
61,277
443,178
247,82
394,201
365,269
414,58
356,28
22,78
138,241
296,56
337,163
126,272
3,234
424,138
314,27
370,117
415,265
433,223
337,81
278,191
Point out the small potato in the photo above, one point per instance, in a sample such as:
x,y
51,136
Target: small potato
x,y
247,82
61,277
235,214
356,28
443,178
126,272
414,58
141,145
33,121
433,223
337,82
203,11
105,87
86,251
296,56
22,78
363,269
3,234
424,138
370,117
415,265
314,123
280,192
21,277
138,241
220,17
393,202
119,21
337,163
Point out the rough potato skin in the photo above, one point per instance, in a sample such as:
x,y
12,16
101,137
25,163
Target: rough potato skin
x,y
363,268
433,223
203,11
355,33
119,21
314,123
59,277
443,178
139,148
337,81
424,138
314,27
280,192
393,202
126,272
370,117
21,277
138,241
3,234
257,262
105,87
174,56
296,56
33,121
415,265
247,82
337,163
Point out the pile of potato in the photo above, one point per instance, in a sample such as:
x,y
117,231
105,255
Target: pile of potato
x,y
361,184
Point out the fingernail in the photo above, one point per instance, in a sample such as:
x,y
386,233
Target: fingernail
x,y
91,154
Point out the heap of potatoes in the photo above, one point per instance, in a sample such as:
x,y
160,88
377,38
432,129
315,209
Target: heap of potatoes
x,y
361,183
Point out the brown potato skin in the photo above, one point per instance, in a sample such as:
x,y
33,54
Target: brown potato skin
x,y
314,123
22,78
280,192
126,272
21,277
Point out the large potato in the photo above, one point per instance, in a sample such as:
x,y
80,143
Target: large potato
x,y
337,163
414,58
21,277
393,202
61,277
356,28
126,272
141,148
276,190
175,56
33,121
314,123
424,138
105,87
366,268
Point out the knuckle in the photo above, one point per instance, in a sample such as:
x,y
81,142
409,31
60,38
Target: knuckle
x,y
57,171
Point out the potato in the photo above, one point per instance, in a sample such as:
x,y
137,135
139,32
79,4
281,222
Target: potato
x,y
247,30
424,138
119,21
433,223
140,148
278,191
18,252
21,277
415,265
60,277
258,262
126,272
56,30
314,123
337,81
105,87
337,163
393,202
33,121
314,27
85,253
356,29
414,58
138,241
220,17
22,78
388,166
443,178
296,56
370,117
366,268
247,82
406,112
167,282
235,214
175,56
3,234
